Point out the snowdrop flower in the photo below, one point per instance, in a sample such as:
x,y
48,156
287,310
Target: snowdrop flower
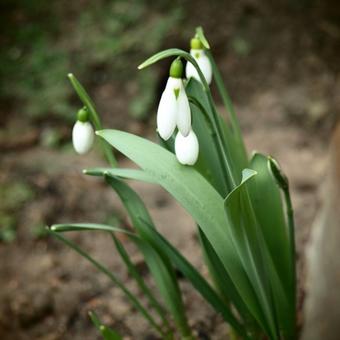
x,y
186,148
173,109
82,133
202,60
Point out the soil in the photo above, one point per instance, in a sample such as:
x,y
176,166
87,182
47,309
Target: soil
x,y
286,103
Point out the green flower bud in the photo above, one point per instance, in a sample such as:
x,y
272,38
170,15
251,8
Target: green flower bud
x,y
176,68
196,44
83,115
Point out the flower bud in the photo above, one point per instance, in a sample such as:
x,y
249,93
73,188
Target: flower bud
x,y
82,137
176,68
83,115
187,148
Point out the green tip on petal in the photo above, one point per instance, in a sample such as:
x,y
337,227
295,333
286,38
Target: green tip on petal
x,y
196,44
176,68
83,115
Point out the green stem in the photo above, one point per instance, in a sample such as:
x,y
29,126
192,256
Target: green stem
x,y
113,278
217,140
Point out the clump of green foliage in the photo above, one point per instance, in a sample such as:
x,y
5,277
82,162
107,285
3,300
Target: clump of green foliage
x,y
41,40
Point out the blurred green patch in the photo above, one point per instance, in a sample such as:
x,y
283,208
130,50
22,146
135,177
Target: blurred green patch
x,y
13,196
101,42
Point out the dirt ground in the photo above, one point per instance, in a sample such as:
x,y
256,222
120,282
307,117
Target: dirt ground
x,y
286,103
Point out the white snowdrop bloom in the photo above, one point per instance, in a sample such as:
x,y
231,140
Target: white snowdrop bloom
x,y
168,108
187,148
203,63
173,109
82,137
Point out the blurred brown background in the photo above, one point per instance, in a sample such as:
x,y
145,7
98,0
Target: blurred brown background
x,y
280,61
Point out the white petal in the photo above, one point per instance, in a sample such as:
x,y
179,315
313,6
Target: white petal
x,y
183,114
166,114
187,148
205,66
190,72
82,137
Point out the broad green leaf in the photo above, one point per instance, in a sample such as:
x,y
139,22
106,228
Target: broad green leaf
x,y
222,280
250,246
202,38
267,203
197,196
268,207
147,231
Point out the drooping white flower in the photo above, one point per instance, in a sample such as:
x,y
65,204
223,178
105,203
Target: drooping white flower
x,y
168,108
173,109
187,148
82,137
203,63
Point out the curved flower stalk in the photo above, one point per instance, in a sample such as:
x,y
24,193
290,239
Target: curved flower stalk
x,y
82,133
173,109
198,53
187,148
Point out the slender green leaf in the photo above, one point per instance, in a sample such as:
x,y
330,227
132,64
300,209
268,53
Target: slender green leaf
x,y
158,263
112,277
140,281
166,281
88,226
136,174
107,332
171,52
